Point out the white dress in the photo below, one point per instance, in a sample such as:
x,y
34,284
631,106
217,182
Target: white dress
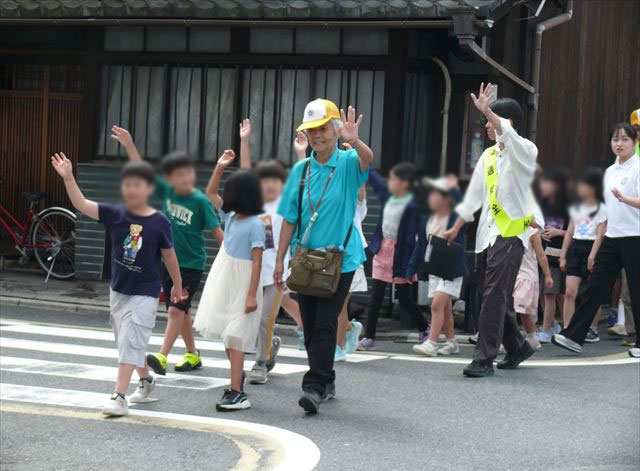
x,y
359,282
220,313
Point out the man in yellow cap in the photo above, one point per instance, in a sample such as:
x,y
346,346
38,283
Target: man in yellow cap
x,y
635,122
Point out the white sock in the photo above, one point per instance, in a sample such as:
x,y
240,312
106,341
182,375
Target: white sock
x,y
620,313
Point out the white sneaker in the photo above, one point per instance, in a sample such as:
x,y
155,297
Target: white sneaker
x,y
533,341
258,374
617,330
544,336
143,391
634,352
116,407
426,348
449,348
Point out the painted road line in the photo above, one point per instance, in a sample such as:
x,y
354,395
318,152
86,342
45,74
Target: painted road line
x,y
102,352
618,359
88,334
291,451
102,373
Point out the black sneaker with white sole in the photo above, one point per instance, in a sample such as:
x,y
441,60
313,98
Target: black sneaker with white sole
x,y
592,336
233,400
566,343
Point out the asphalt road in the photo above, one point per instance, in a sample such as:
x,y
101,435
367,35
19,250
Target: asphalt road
x,y
393,411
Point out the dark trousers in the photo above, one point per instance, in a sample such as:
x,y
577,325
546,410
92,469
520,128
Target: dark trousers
x,y
614,255
498,268
405,298
320,324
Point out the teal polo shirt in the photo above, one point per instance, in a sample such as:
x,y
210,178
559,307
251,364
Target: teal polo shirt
x,y
338,207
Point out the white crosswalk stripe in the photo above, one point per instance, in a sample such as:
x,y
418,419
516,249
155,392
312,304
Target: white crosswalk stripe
x,y
88,334
66,352
101,373
102,352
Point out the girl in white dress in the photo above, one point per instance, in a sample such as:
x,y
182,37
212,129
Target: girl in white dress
x,y
231,300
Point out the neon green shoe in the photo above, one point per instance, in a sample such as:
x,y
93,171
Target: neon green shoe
x,y
158,363
190,361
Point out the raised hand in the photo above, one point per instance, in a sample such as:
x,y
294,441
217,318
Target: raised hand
x,y
62,165
122,136
349,130
300,143
245,128
227,158
483,99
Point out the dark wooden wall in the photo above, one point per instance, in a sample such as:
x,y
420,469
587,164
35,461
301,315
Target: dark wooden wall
x,y
590,81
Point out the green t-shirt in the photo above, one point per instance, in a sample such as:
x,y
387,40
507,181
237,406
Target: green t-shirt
x,y
190,216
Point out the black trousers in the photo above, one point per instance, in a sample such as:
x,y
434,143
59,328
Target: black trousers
x,y
320,324
497,270
614,255
405,297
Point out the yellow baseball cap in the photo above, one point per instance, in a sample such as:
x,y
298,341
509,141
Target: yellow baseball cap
x,y
317,113
635,117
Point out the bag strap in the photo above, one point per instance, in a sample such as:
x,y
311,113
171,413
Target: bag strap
x,y
300,193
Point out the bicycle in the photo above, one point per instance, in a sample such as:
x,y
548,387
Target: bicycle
x,y
49,234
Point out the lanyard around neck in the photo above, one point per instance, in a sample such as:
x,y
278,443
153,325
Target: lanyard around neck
x,y
326,185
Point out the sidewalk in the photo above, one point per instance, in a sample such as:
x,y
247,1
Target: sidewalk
x,y
26,288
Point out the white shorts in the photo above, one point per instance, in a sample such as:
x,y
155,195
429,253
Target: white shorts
x,y
359,282
450,287
132,320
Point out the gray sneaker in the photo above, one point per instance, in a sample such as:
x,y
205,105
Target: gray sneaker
x,y
273,353
258,374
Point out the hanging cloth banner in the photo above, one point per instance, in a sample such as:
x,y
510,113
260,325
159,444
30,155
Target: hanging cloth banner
x,y
508,227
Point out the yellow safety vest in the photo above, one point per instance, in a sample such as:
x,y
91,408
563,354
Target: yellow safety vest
x,y
508,227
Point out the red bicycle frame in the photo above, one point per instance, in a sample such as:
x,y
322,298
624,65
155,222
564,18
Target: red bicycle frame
x,y
23,228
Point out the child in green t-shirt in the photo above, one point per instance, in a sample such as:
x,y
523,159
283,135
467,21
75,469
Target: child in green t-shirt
x,y
191,213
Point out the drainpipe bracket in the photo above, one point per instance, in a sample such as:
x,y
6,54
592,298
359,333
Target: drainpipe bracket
x,y
533,99
463,22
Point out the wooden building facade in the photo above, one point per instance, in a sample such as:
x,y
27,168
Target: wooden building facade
x,y
66,77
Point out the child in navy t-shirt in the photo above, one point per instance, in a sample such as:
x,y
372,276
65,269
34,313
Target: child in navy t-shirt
x,y
137,240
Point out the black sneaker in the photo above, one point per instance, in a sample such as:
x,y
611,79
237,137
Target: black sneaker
x,y
592,336
310,402
473,339
329,392
478,370
511,361
233,400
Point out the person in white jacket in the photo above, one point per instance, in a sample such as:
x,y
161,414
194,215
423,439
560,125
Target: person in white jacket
x,y
500,187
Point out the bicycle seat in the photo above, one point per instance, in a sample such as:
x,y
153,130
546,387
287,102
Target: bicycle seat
x,y
34,196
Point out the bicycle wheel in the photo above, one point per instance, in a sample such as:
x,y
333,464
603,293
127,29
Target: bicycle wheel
x,y
54,241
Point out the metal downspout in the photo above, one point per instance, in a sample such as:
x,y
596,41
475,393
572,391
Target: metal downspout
x,y
535,68
445,114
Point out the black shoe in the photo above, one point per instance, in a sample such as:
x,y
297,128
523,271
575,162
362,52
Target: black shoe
x,y
478,370
329,392
592,336
233,400
511,361
310,402
473,339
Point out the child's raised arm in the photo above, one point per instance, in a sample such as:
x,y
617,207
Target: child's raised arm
x,y
245,151
63,166
226,159
542,259
124,138
566,242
